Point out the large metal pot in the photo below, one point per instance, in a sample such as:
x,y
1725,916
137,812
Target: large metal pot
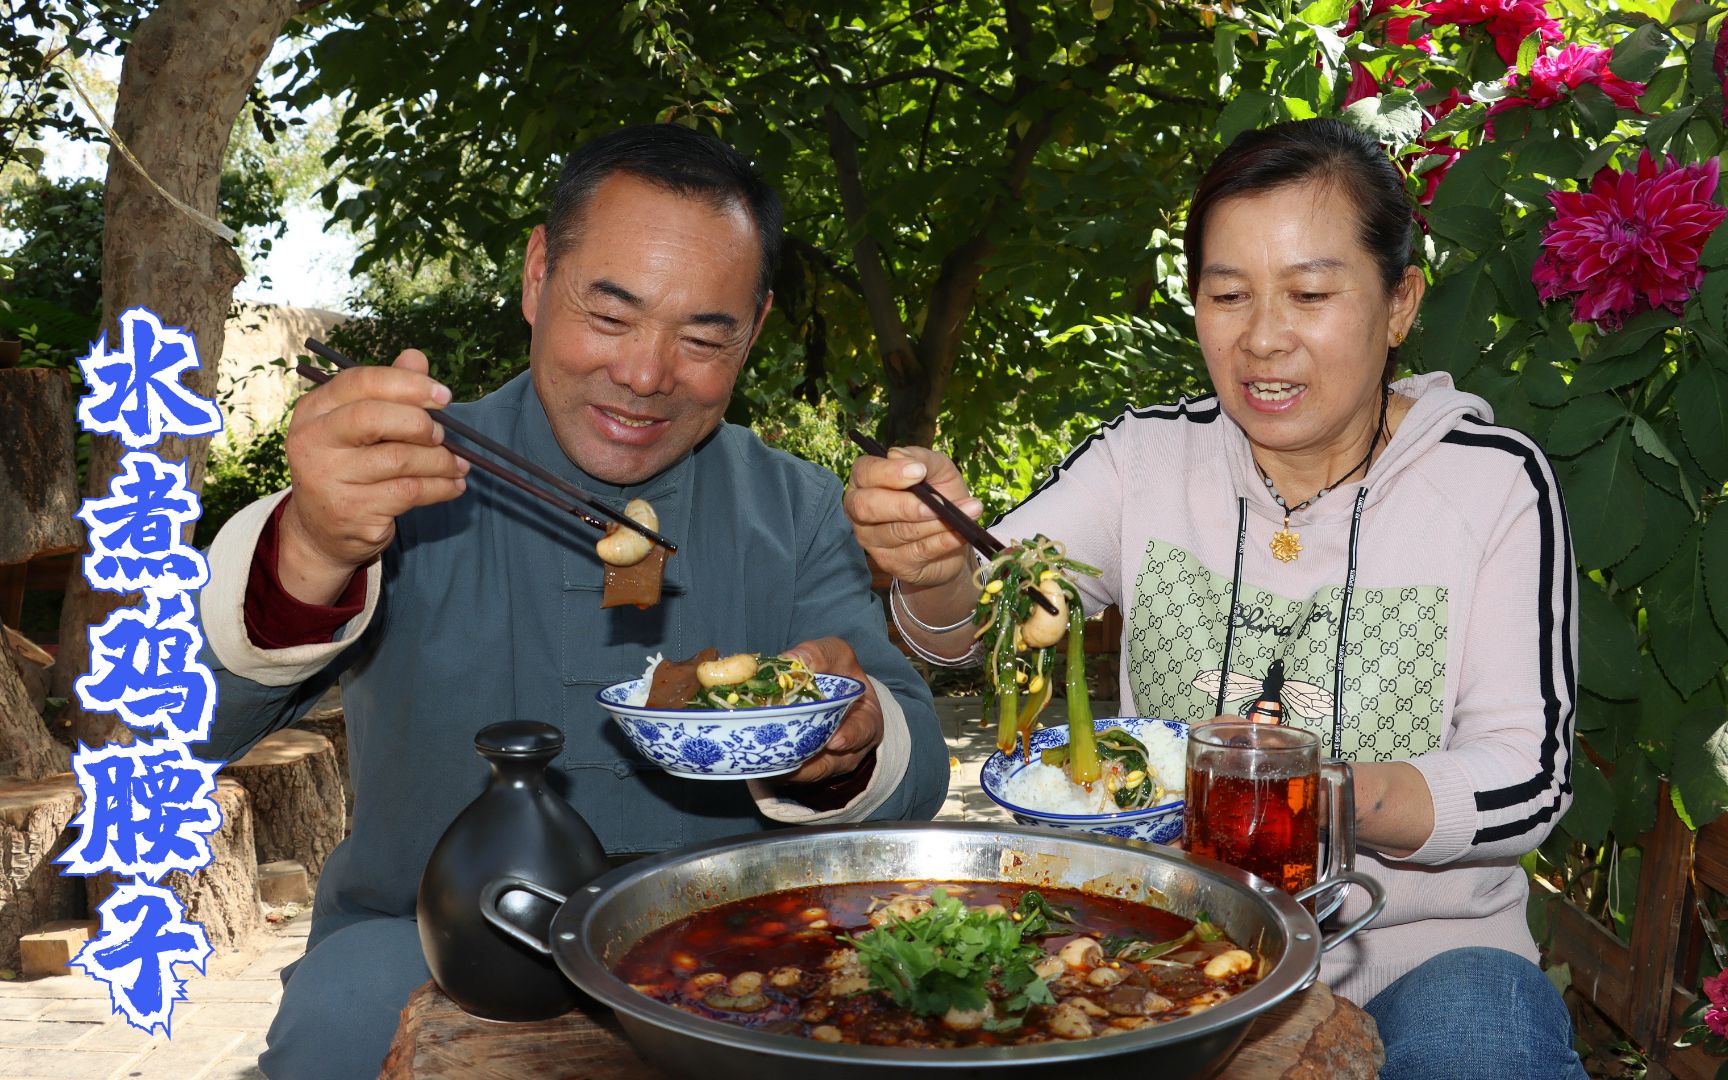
x,y
594,928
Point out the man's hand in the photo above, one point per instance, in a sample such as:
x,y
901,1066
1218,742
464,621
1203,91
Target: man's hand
x,y
861,729
362,451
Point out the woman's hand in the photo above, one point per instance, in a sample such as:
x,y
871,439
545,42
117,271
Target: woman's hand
x,y
899,532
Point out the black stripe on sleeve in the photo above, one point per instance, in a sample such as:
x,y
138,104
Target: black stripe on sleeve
x,y
1556,561
1201,410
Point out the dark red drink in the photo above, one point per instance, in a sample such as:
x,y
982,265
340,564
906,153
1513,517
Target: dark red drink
x,y
1266,825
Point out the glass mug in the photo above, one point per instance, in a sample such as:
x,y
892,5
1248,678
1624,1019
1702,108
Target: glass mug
x,y
1253,801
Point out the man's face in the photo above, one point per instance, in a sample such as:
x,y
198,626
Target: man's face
x,y
641,329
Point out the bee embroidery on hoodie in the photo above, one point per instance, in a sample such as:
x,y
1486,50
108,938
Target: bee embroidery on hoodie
x,y
1265,700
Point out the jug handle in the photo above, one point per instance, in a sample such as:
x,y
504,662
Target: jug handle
x,y
495,890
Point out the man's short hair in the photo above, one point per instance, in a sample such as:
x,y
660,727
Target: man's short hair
x,y
679,160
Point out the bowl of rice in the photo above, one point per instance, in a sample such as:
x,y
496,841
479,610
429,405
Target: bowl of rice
x,y
738,743
1040,794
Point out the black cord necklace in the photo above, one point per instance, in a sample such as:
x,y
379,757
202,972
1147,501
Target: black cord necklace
x,y
1286,542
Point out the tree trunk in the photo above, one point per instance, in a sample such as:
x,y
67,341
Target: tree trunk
x,y
33,819
297,805
186,75
27,751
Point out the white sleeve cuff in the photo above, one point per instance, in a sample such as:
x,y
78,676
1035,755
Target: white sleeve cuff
x,y
222,604
893,754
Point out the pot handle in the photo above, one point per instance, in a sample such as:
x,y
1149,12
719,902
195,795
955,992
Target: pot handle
x,y
495,890
1376,901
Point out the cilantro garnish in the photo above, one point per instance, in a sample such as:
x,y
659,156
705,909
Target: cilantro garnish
x,y
955,957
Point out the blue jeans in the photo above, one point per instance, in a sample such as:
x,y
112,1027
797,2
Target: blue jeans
x,y
1473,1013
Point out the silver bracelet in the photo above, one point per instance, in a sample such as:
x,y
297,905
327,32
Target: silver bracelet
x,y
894,594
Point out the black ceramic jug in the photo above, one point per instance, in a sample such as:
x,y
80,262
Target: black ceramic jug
x,y
518,827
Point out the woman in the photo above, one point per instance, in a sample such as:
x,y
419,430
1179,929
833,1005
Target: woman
x,y
1407,562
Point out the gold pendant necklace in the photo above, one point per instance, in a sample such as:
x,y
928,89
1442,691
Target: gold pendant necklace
x,y
1286,543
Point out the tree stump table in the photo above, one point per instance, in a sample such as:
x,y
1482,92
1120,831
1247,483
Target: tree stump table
x,y
34,815
1311,1036
298,812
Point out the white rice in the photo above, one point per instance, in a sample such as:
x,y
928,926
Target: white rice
x,y
639,696
1046,787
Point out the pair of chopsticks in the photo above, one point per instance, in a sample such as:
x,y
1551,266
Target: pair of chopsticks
x,y
970,531
579,502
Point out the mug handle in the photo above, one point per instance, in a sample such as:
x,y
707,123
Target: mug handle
x,y
495,890
1335,878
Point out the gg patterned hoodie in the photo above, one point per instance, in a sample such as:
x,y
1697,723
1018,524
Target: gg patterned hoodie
x,y
1431,616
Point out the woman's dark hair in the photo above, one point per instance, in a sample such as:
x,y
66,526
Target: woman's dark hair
x,y
676,159
1297,151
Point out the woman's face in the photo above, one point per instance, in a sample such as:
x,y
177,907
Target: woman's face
x,y
1294,319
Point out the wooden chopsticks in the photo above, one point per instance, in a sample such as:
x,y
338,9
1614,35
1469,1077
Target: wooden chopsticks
x,y
970,531
579,502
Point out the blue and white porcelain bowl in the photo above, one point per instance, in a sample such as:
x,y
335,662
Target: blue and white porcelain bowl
x,y
732,744
1161,824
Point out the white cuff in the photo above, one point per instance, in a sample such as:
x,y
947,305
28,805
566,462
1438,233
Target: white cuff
x,y
893,754
222,607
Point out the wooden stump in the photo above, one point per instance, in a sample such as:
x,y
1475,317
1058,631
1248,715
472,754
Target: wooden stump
x,y
1311,1036
27,751
333,725
223,896
297,808
33,819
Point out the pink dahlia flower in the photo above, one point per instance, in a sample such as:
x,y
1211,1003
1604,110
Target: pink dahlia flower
x,y
1554,75
1716,1019
1508,22
1716,989
1631,243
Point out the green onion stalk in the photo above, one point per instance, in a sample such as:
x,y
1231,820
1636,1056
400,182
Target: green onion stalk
x,y
1005,606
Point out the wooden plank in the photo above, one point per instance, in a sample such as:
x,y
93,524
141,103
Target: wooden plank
x,y
1664,904
1691,1063
1599,961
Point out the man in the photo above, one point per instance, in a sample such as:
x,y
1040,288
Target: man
x,y
447,600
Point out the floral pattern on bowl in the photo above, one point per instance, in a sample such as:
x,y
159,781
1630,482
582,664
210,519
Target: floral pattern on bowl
x,y
1161,824
734,744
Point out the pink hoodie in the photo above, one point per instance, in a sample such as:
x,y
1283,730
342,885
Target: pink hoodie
x,y
1444,583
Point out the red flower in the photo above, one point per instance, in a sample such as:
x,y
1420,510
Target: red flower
x,y
1716,1019
1716,989
1508,22
1397,30
1631,243
1554,75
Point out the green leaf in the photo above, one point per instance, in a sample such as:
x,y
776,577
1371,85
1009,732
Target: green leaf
x,y
1596,112
1463,118
1701,402
1605,499
1701,772
1592,810
1661,87
1585,422
1666,126
1650,442
1715,556
1527,50
1393,118
1543,383
1634,797
1478,178
1660,712
1558,157
1608,663
1666,519
1683,633
1638,54
1456,322
1102,9
1324,12
1248,109
1626,356
1474,227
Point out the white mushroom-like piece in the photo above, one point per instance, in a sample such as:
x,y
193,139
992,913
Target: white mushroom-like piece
x,y
1042,629
1105,976
825,1033
1088,1006
1226,964
783,977
1069,1022
745,982
727,670
899,909
627,547
1049,967
1082,952
958,1019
